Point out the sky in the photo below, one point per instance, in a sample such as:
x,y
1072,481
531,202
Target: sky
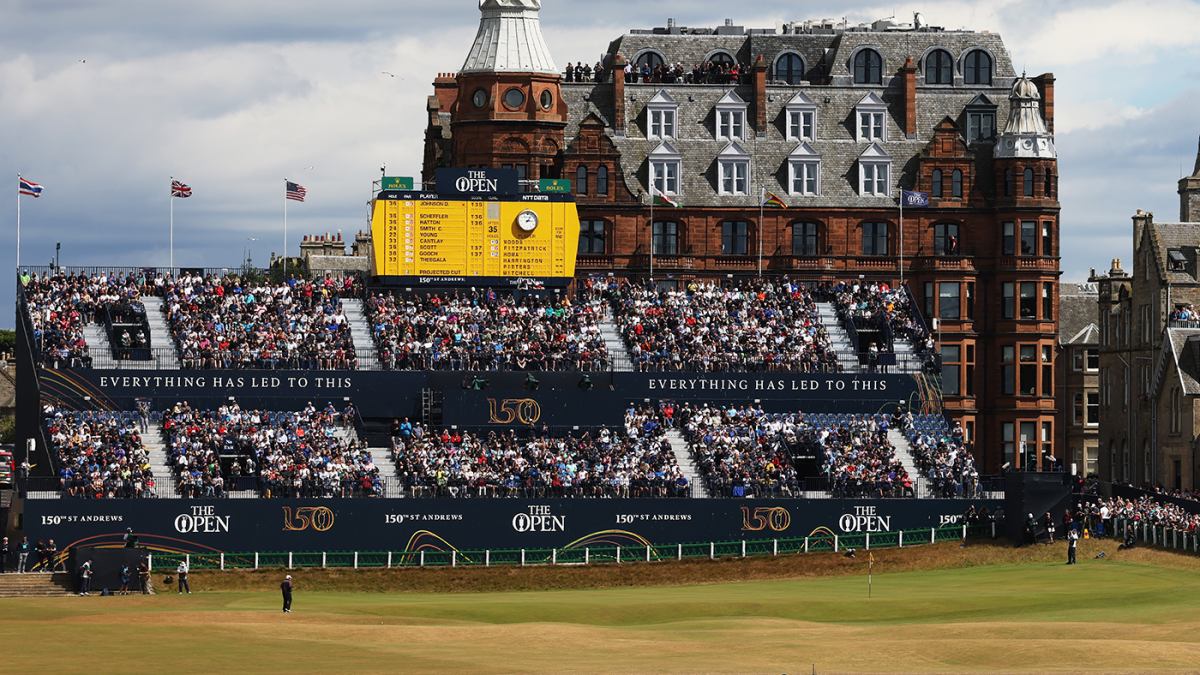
x,y
103,101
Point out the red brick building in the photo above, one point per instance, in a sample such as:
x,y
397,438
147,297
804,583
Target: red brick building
x,y
833,119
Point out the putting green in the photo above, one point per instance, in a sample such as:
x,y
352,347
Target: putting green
x,y
1108,615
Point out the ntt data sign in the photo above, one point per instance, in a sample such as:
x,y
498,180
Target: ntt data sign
x,y
477,182
247,525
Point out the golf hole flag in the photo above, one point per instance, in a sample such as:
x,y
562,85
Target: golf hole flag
x,y
28,187
913,200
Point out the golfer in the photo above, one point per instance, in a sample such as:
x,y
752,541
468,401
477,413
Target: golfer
x,y
286,587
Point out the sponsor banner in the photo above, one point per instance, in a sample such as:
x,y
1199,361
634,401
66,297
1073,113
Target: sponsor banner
x,y
245,525
476,181
815,392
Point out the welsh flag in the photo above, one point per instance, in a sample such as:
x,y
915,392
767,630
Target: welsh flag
x,y
662,200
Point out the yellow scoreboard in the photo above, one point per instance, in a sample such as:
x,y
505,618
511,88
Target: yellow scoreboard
x,y
423,234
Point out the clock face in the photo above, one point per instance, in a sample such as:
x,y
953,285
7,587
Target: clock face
x,y
479,98
527,220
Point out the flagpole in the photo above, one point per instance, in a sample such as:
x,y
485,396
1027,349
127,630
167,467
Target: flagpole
x,y
18,223
652,229
285,182
761,199
172,265
902,238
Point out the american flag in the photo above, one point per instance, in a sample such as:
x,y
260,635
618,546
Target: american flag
x,y
28,187
180,190
296,191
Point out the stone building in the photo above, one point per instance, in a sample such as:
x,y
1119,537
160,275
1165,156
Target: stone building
x,y
1078,377
832,119
1150,352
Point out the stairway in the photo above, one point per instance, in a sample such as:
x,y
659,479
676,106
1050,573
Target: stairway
x,y
907,360
904,454
847,356
36,584
160,333
687,464
618,354
155,442
382,457
360,333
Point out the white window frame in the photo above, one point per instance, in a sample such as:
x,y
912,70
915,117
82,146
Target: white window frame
x,y
874,172
666,109
733,166
804,164
801,118
666,171
870,117
731,118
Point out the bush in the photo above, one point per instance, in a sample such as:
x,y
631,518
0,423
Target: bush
x,y
8,341
8,429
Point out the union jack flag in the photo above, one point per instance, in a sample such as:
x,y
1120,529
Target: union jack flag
x,y
28,187
180,190
295,191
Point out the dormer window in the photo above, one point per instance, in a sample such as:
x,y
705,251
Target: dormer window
x,y
804,171
801,114
977,68
1176,261
662,113
731,118
868,67
734,166
665,169
981,120
871,112
939,67
874,172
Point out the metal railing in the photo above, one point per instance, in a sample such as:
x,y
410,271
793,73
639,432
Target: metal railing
x,y
582,555
1157,535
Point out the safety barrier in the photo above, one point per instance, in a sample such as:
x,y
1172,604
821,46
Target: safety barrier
x,y
1159,535
570,556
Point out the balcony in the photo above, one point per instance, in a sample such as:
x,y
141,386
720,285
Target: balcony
x,y
666,262
943,262
873,262
739,262
807,262
594,261
1028,262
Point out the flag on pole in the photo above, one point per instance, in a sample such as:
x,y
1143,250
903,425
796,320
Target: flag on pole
x,y
180,190
28,187
771,199
295,191
914,200
661,199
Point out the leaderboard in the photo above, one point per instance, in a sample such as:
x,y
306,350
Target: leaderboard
x,y
430,234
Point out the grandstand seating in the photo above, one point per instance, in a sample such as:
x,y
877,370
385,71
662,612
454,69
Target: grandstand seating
x,y
486,331
61,305
874,305
942,456
743,451
99,454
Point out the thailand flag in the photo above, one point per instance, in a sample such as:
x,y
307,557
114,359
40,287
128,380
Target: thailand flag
x,y
28,187
914,200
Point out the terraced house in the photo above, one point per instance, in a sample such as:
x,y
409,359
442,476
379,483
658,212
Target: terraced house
x,y
833,120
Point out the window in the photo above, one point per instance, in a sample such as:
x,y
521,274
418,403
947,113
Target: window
x,y
970,302
514,98
874,172
735,237
1093,360
1008,299
1047,239
665,164
734,166
731,124
1007,444
1147,329
662,113
1008,369
1028,382
1048,183
935,184
1176,260
1176,411
800,114
929,298
789,68
1028,441
970,368
1077,358
981,126
951,369
871,113
804,239
948,300
1029,299
591,236
956,184
1047,370
977,68
868,67
1077,411
805,178
875,238
581,180
1008,182
1047,301
1008,244
945,239
721,59
602,180
1028,192
939,67
1048,444
1028,237
1093,409
652,59
666,238
1106,386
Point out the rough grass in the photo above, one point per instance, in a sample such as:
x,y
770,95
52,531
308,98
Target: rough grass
x,y
934,609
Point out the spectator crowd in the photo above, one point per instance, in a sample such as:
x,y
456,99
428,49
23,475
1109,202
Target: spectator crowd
x,y
742,451
62,304
99,455
470,330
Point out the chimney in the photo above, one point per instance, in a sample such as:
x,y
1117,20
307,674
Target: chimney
x,y
760,96
618,71
1141,221
1116,270
1045,85
909,73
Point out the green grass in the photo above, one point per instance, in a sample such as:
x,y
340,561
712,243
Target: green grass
x,y
980,609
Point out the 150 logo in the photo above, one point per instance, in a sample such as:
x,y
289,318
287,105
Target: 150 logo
x,y
775,518
523,410
319,518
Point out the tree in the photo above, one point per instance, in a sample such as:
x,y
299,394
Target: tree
x,y
8,341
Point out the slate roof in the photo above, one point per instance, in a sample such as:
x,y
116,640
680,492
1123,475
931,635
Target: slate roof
x,y
1184,237
1181,360
1077,312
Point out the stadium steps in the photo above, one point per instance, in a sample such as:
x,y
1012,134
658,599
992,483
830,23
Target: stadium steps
x,y
905,455
618,354
382,457
847,356
155,443
687,464
160,334
36,584
102,354
360,333
907,358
